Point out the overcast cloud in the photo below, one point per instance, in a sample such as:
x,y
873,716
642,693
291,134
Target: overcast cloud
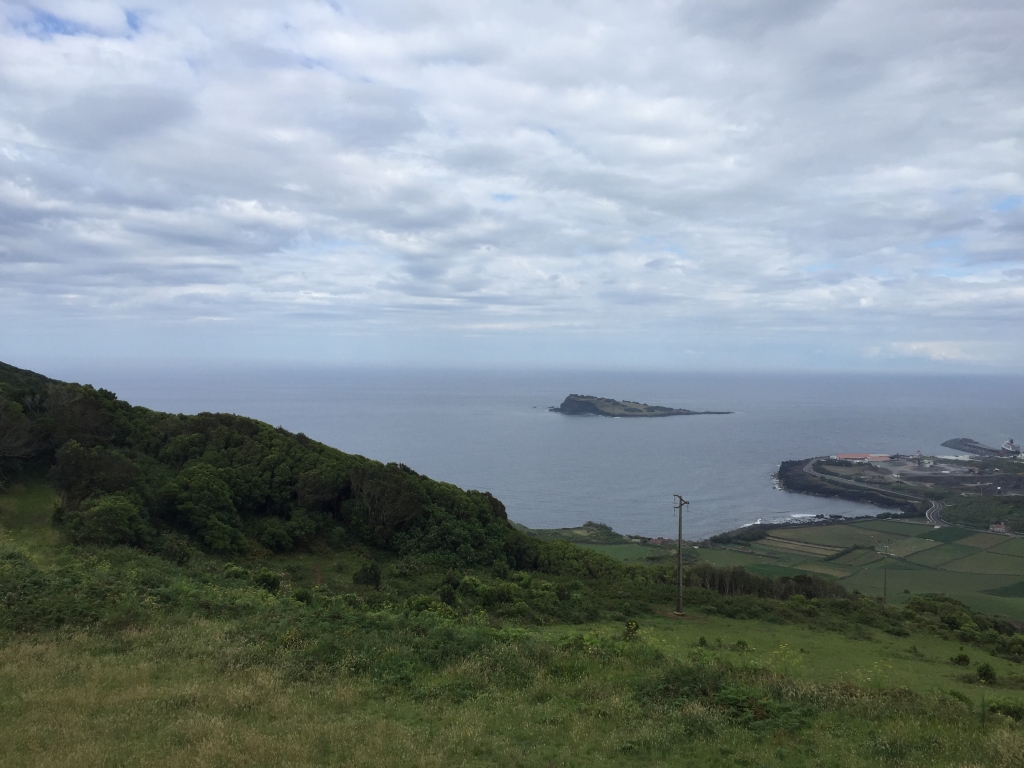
x,y
681,184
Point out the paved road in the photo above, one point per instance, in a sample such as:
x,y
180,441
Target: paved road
x,y
932,515
809,469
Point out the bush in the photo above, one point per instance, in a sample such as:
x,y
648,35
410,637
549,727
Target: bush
x,y
203,501
368,574
268,580
174,547
109,521
961,659
631,632
452,579
986,673
232,571
1009,707
447,595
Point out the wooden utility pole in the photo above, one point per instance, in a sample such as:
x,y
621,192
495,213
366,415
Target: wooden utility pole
x,y
885,576
680,503
885,568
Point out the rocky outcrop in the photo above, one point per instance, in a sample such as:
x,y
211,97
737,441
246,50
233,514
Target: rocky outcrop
x,y
588,405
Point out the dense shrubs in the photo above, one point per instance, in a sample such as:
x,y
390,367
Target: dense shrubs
x,y
267,580
368,574
233,484
738,581
1013,708
109,520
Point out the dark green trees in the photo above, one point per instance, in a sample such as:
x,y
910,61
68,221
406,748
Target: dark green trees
x,y
202,501
232,484
109,520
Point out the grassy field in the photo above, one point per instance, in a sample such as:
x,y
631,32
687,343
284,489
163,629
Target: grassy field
x,y
1010,547
601,538
976,568
244,679
177,696
973,567
920,664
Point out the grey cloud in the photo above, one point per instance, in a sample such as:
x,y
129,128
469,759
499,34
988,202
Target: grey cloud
x,y
102,119
749,19
343,163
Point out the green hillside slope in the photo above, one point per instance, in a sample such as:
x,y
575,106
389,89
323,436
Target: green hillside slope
x,y
210,590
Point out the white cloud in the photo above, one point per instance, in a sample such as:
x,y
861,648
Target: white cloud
x,y
689,169
940,351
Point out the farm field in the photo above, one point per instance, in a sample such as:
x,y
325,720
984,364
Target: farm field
x,y
981,569
941,554
1010,547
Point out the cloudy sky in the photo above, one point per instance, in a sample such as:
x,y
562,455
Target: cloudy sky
x,y
704,184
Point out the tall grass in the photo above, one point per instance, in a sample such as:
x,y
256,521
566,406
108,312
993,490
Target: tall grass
x,y
190,693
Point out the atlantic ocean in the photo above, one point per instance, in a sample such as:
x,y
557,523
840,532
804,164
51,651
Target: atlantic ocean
x,y
491,430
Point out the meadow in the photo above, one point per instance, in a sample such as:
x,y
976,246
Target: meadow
x,y
183,664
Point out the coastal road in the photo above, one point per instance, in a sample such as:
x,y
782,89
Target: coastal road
x,y
933,514
809,469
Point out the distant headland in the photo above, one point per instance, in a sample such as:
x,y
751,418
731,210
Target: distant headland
x,y
588,405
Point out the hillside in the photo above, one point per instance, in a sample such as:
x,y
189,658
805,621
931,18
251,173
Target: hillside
x,y
129,475
182,590
14,379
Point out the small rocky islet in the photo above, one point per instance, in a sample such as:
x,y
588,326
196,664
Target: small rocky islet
x,y
588,405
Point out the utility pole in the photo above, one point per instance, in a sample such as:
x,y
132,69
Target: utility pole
x,y
680,503
885,568
885,576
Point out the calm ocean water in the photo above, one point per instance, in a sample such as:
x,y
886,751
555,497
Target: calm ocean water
x,y
492,431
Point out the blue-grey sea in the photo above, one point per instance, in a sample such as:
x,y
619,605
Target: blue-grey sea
x,y
491,430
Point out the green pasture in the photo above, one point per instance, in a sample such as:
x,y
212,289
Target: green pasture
x,y
826,569
988,562
798,547
893,527
919,663
840,536
858,558
1013,590
1010,547
729,557
983,540
944,553
909,546
977,568
946,534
